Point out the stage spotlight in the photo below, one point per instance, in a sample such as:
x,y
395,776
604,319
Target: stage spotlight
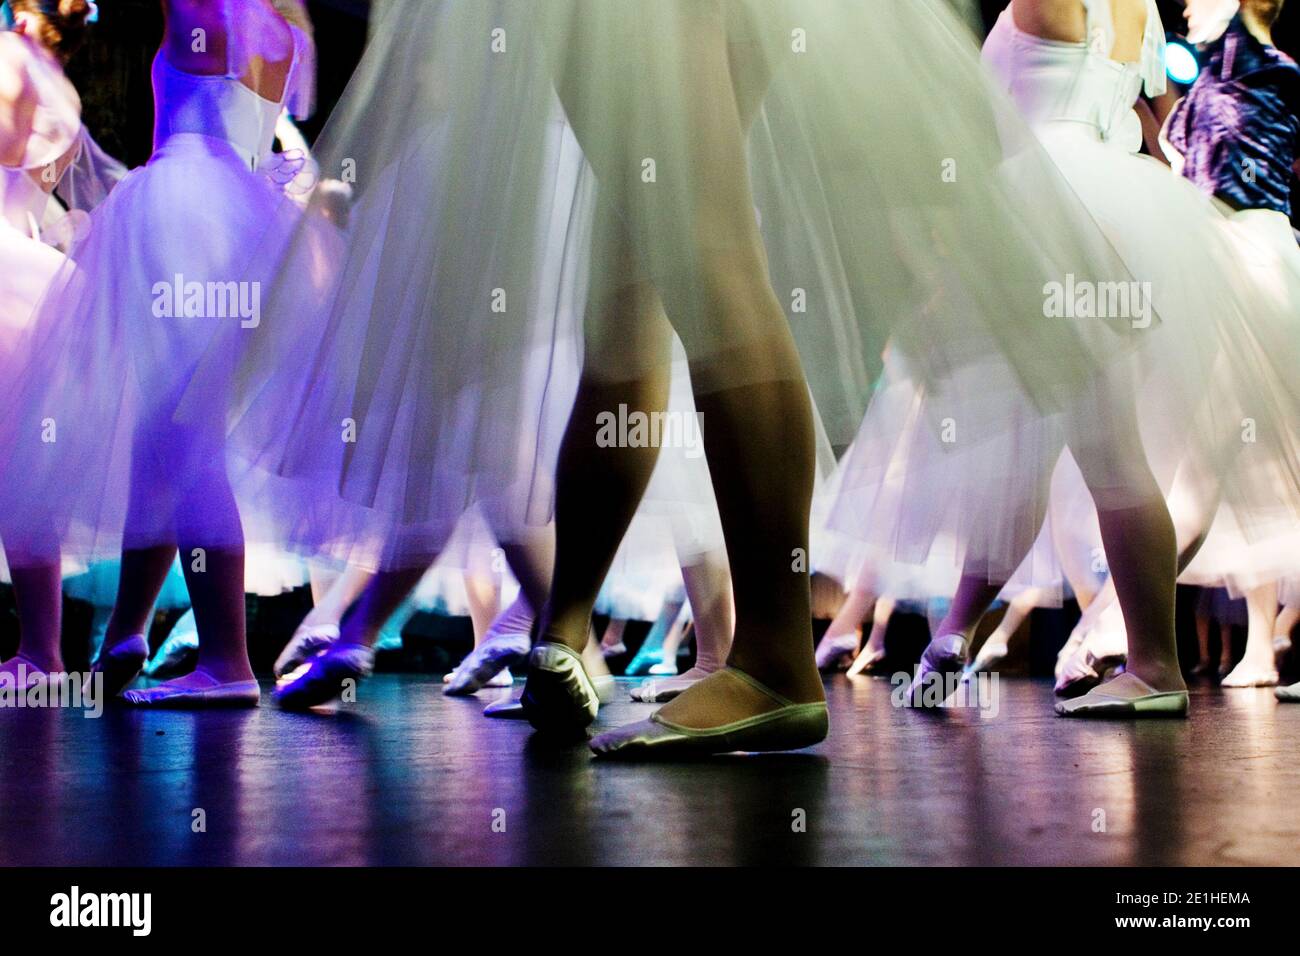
x,y
1182,62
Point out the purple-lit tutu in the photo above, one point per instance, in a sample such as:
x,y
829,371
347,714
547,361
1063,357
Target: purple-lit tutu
x,y
108,361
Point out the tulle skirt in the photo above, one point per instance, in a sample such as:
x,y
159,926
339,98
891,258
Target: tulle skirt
x,y
171,273
851,153
1215,364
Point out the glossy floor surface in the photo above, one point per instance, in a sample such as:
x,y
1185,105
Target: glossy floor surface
x,y
407,776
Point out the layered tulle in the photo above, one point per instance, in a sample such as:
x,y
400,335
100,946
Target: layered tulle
x,y
93,455
1209,389
858,140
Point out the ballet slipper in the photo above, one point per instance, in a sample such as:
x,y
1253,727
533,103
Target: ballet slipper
x,y
24,672
662,691
308,641
495,654
197,690
507,708
504,679
1085,671
832,651
610,651
782,725
1250,674
119,664
990,657
1125,696
867,661
326,676
664,669
559,696
1289,694
944,656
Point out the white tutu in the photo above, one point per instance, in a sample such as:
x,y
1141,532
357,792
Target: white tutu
x,y
465,188
1214,351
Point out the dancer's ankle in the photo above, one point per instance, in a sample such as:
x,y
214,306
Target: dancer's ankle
x,y
225,670
793,680
573,630
1162,675
49,662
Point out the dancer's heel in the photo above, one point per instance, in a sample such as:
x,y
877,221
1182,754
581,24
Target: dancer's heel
x,y
788,726
559,697
120,664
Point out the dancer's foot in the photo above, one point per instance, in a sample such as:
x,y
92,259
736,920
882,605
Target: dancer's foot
x,y
1085,670
559,696
868,661
662,691
504,679
1281,649
308,641
177,651
1289,694
197,690
22,673
1205,669
990,657
664,669
611,651
943,660
1070,648
1125,696
507,708
1248,673
326,677
724,712
833,652
120,663
486,662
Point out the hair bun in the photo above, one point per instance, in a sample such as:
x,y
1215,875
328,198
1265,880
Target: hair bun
x,y
74,8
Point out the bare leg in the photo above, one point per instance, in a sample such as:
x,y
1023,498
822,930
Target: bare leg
x,y
708,588
38,592
844,635
1256,667
1205,665
873,652
484,594
377,603
341,593
217,592
141,577
1286,622
998,644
